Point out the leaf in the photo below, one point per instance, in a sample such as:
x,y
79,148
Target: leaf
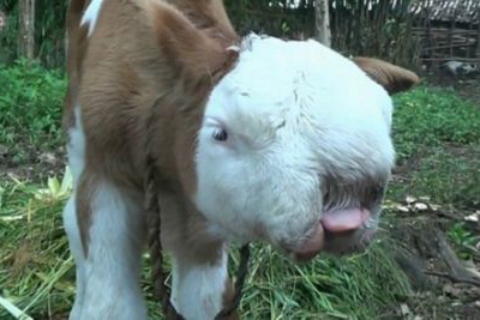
x,y
405,309
53,186
56,190
401,208
67,181
2,191
410,199
13,310
420,206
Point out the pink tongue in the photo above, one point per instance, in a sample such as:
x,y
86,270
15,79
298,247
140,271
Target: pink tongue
x,y
344,220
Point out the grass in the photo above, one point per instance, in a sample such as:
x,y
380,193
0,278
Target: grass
x,y
36,271
437,135
433,117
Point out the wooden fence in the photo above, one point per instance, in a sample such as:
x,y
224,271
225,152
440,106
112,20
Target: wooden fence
x,y
448,30
413,33
408,32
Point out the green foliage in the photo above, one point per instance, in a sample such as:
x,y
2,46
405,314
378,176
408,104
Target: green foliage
x,y
432,117
463,238
30,105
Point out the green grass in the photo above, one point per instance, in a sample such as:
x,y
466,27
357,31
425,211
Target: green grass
x,y
437,136
426,118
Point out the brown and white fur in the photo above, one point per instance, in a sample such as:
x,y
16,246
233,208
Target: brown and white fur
x,y
254,139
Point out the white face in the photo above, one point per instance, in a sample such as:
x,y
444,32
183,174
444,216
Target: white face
x,y
295,148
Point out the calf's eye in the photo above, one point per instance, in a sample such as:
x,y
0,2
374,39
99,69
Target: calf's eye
x,y
220,135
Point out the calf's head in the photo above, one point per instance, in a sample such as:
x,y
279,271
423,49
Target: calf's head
x,y
294,147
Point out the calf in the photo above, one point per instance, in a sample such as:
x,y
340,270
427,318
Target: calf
x,y
254,139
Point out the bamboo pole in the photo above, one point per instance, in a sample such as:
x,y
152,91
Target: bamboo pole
x,y
478,33
26,15
322,22
3,21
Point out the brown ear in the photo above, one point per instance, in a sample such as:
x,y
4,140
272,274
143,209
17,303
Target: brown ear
x,y
190,51
393,78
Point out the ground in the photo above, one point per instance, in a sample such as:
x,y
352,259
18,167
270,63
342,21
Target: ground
x,y
428,226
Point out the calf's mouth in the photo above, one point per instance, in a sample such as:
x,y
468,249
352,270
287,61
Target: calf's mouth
x,y
336,232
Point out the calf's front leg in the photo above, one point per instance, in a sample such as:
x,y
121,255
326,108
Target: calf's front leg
x,y
200,289
108,267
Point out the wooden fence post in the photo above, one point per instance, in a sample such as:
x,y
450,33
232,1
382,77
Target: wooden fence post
x,y
3,21
26,40
478,34
322,22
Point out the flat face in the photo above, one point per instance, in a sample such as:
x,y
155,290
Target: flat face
x,y
296,136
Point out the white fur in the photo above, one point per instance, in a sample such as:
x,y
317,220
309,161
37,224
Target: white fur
x,y
295,112
197,290
113,264
71,227
76,147
91,15
76,159
107,279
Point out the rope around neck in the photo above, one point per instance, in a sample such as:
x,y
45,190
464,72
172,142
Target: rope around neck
x,y
152,207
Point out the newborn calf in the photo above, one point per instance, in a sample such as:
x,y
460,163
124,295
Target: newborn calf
x,y
254,139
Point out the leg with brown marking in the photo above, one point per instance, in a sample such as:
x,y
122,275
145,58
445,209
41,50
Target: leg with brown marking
x,y
113,261
200,283
200,288
73,234
109,257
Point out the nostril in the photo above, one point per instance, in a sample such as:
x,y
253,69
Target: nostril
x,y
373,196
326,199
380,191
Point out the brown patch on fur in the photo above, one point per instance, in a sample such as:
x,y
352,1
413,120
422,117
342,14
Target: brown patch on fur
x,y
83,206
393,78
144,51
208,15
76,49
228,298
148,62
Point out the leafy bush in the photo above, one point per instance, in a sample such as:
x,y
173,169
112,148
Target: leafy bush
x,y
30,104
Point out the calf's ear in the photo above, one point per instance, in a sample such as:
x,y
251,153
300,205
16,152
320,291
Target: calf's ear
x,y
393,78
190,52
